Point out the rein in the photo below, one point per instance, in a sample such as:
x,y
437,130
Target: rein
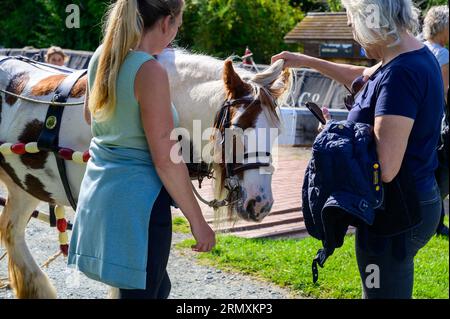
x,y
39,65
35,101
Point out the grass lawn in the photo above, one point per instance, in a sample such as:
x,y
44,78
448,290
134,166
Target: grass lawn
x,y
180,225
287,263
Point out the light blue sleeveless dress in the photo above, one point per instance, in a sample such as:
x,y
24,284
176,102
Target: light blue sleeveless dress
x,y
109,240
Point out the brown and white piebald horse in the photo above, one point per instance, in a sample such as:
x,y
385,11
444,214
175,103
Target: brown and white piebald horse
x,y
199,86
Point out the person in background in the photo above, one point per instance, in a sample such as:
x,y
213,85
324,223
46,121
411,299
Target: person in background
x,y
403,100
56,56
436,33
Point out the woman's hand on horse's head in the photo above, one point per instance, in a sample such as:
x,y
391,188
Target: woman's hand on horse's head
x,y
291,60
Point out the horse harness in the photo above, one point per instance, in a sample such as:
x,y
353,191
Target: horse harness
x,y
48,140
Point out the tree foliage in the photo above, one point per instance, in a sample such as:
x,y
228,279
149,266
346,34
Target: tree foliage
x,y
427,4
335,5
215,27
42,23
224,27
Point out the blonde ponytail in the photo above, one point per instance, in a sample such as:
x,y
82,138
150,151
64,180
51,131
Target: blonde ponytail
x,y
122,32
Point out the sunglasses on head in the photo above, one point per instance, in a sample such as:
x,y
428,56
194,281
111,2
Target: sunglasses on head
x,y
357,85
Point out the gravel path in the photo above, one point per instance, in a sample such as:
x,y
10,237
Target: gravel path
x,y
189,280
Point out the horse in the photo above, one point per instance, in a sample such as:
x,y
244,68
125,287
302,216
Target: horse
x,y
202,88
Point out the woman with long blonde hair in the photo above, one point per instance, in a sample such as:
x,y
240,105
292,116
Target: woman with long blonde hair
x,y
122,230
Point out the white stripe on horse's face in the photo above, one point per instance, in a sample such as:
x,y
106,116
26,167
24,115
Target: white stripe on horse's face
x,y
258,121
257,198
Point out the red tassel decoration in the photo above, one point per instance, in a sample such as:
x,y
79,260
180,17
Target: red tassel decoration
x,y
61,224
66,153
86,156
18,149
64,249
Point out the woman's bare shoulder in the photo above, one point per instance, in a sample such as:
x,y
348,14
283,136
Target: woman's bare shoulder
x,y
151,77
152,69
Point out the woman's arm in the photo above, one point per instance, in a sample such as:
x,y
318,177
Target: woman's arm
x,y
153,93
87,113
342,73
391,136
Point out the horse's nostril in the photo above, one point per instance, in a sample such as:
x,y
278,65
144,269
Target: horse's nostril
x,y
251,208
266,209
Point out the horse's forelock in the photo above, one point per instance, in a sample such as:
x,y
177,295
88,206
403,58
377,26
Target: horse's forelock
x,y
270,75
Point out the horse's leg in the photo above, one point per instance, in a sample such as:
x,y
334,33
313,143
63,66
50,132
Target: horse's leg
x,y
26,277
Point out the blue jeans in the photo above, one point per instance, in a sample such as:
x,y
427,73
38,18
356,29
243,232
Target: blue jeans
x,y
160,238
387,266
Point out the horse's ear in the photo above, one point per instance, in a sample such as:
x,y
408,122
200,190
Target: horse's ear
x,y
235,87
281,84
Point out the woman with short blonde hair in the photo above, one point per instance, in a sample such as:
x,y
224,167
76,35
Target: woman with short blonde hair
x,y
403,99
436,34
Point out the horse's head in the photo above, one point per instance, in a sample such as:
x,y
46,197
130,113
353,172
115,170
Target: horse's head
x,y
247,126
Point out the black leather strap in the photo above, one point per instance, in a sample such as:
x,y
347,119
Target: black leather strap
x,y
48,140
65,181
52,215
246,167
49,137
321,257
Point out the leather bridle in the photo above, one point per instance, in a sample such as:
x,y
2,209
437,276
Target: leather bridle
x,y
222,122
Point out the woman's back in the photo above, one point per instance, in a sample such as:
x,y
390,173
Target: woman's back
x,y
124,128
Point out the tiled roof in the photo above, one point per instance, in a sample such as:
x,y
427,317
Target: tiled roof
x,y
321,26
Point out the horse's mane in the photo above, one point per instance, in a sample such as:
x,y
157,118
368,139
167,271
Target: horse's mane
x,y
201,66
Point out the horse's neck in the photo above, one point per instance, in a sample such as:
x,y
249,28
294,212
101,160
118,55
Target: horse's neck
x,y
196,86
